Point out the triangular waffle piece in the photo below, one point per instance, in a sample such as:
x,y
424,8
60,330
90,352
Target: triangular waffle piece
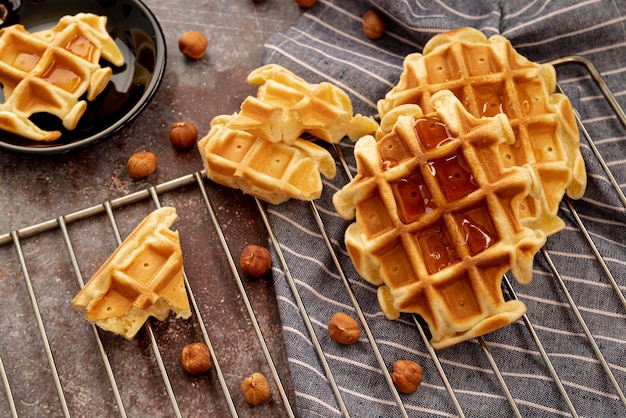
x,y
286,106
489,77
50,71
273,172
437,220
142,278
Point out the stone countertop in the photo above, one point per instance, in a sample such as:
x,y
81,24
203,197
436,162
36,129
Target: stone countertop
x,y
35,189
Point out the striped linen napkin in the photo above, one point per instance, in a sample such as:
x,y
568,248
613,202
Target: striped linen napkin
x,y
327,44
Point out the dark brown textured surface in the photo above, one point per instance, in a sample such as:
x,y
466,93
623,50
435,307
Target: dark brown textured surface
x,y
39,188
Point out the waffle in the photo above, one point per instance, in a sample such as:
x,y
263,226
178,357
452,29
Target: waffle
x,y
51,70
489,77
437,218
273,172
286,106
142,278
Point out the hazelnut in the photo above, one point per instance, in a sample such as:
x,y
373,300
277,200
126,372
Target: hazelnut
x,y
193,45
195,358
306,3
407,376
344,329
255,388
374,25
141,164
183,134
255,260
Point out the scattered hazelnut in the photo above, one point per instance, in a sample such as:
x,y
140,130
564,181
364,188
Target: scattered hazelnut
x,y
407,376
141,164
255,260
374,25
306,3
255,389
195,358
344,329
183,134
193,45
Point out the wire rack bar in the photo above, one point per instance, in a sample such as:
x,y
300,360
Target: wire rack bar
x,y
138,196
7,388
496,370
103,354
302,309
542,351
439,367
596,252
205,335
359,312
148,327
610,98
244,295
585,328
40,325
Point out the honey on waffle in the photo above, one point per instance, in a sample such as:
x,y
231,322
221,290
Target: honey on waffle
x,y
273,172
489,77
50,71
286,106
142,278
437,218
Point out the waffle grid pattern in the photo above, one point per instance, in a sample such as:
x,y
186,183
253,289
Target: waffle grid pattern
x,y
52,71
489,77
437,219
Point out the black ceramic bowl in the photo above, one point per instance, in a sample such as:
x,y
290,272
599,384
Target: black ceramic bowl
x,y
137,33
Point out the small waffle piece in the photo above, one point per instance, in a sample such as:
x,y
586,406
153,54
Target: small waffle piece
x,y
489,77
142,278
50,71
273,172
286,106
437,218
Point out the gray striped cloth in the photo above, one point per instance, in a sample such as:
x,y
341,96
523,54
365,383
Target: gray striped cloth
x,y
327,44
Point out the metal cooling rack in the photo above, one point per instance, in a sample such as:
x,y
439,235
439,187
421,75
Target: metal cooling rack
x,y
198,181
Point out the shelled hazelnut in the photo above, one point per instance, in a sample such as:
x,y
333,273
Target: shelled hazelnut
x,y
183,134
141,164
256,389
255,260
306,3
344,329
374,24
193,45
195,358
407,376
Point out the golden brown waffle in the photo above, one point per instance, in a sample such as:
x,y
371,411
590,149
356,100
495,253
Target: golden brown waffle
x,y
437,218
142,278
273,172
489,77
286,106
50,71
